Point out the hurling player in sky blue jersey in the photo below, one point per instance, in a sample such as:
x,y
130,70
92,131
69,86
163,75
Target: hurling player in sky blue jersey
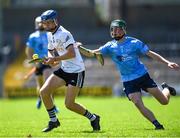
x,y
124,52
37,44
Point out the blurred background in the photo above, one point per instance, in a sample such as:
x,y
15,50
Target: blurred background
x,y
155,22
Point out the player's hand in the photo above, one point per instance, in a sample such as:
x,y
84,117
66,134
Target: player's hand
x,y
173,65
77,44
49,61
54,64
26,77
30,73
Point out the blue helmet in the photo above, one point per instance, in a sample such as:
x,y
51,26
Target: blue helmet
x,y
49,15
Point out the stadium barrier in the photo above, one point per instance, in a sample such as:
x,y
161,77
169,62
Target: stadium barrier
x,y
86,91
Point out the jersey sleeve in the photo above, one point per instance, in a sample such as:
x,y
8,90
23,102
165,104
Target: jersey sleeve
x,y
67,39
30,42
105,48
142,48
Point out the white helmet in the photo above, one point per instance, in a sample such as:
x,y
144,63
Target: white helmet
x,y
37,23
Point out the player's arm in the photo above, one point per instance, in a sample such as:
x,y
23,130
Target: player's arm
x,y
91,53
158,57
68,55
29,52
86,52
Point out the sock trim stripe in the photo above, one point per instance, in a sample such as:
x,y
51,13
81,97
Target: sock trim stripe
x,y
52,116
52,109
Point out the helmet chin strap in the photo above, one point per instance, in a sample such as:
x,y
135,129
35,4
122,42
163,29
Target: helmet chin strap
x,y
53,29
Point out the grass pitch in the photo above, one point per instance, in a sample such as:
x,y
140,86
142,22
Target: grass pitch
x,y
119,118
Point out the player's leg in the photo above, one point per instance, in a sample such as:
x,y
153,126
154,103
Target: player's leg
x,y
75,83
46,91
47,71
136,98
39,83
163,97
72,92
148,84
172,90
133,91
42,72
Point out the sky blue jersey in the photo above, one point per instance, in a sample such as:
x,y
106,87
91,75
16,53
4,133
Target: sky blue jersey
x,y
125,55
39,43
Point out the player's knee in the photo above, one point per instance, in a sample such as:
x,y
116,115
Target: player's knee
x,y
164,102
69,105
38,88
43,92
136,101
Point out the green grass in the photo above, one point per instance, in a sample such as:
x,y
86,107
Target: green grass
x,y
20,118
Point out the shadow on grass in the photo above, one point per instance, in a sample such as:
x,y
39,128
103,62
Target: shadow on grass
x,y
85,132
68,118
154,129
148,129
92,131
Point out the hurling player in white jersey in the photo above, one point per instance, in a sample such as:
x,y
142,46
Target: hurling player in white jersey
x,y
71,72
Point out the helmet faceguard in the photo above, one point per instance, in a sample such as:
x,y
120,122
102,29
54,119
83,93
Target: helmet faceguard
x,y
120,24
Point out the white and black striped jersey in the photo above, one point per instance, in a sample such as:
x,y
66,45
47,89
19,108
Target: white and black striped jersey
x,y
60,40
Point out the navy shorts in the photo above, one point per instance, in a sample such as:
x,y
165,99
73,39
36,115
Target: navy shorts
x,y
75,79
40,68
141,83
